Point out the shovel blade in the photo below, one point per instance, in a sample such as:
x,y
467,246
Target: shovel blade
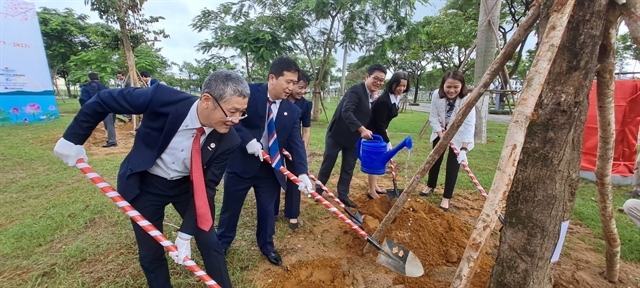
x,y
356,218
399,259
394,193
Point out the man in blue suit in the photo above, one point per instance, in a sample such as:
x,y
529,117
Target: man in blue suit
x,y
178,128
247,170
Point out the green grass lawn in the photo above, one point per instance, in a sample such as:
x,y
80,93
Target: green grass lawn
x,y
58,230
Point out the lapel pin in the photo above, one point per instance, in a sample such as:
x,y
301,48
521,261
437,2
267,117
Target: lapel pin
x,y
285,113
211,146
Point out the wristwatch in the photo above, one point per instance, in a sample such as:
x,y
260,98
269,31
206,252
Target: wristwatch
x,y
464,148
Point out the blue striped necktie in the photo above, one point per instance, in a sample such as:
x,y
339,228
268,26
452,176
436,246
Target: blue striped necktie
x,y
274,150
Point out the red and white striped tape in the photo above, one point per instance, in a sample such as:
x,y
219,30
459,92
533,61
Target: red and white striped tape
x,y
140,220
314,179
319,199
465,165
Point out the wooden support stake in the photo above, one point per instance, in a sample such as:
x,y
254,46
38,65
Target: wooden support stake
x,y
504,56
514,140
631,16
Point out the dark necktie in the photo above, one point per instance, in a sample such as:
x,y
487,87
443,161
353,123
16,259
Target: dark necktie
x,y
203,212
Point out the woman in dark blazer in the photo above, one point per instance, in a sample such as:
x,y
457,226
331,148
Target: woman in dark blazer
x,y
383,110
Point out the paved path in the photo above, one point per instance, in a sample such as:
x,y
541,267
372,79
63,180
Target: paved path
x,y
426,107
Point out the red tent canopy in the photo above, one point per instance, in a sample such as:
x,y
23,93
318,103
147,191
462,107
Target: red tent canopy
x,y
627,114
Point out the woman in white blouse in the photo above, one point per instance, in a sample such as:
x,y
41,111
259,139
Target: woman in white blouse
x,y
444,108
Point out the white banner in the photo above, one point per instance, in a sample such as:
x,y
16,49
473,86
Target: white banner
x,y
23,62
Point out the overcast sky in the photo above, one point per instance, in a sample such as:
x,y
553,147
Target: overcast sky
x,y
178,15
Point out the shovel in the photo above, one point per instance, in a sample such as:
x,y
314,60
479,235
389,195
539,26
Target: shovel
x,y
355,217
390,254
395,192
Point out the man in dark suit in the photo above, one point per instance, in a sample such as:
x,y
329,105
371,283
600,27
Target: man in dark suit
x,y
177,130
347,125
247,170
89,90
148,81
292,195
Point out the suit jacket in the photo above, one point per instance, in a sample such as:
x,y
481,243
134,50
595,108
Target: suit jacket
x,y
90,89
305,116
252,127
382,111
352,112
164,110
437,121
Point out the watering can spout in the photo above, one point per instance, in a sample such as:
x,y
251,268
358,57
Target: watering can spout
x,y
384,159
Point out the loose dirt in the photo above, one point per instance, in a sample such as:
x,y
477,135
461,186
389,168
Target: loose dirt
x,y
325,253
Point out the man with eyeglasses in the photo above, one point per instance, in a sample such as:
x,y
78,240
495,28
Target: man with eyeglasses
x,y
178,157
273,123
347,125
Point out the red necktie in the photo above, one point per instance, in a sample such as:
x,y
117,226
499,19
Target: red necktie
x,y
203,213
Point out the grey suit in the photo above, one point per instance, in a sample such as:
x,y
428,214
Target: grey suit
x,y
342,135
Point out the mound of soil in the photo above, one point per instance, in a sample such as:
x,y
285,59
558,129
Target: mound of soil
x,y
326,253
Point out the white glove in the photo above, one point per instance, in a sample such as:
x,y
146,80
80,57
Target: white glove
x,y
305,187
68,152
462,156
389,146
255,148
183,242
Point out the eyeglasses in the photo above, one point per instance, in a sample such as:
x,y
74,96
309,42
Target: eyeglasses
x,y
376,79
238,118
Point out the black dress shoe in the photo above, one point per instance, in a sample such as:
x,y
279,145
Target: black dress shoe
x,y
347,202
110,145
274,258
293,226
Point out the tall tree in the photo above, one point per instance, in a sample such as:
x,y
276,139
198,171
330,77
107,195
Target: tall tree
x,y
310,26
127,14
554,139
62,34
488,23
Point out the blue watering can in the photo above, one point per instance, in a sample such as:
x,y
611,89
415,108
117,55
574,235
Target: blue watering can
x,y
374,156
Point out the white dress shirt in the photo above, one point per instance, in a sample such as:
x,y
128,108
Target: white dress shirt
x,y
394,99
438,122
274,106
175,161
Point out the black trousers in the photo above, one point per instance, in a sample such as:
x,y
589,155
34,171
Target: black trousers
x,y
349,158
291,199
155,194
266,188
451,172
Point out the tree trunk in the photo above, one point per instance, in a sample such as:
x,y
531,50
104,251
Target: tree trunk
x,y
343,81
606,136
128,51
246,61
317,84
492,72
66,83
631,16
485,53
54,81
415,90
536,209
539,73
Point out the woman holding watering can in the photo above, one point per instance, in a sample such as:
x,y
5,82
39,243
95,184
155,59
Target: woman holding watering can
x,y
444,108
383,110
